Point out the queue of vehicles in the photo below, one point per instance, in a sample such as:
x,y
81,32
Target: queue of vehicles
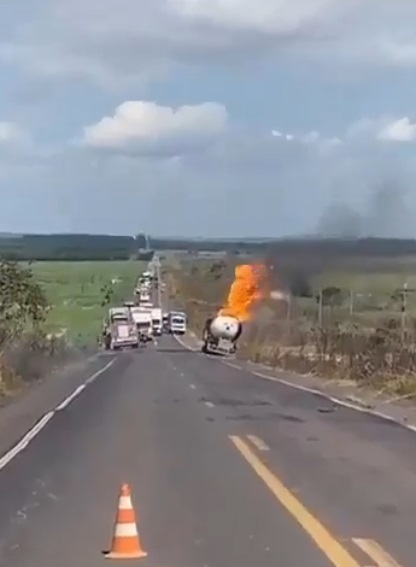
x,y
139,322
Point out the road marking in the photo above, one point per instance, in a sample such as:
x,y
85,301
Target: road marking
x,y
334,551
192,386
264,376
209,404
91,378
182,343
258,442
24,442
71,397
231,365
376,552
45,419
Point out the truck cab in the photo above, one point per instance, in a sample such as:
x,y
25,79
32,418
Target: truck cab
x,y
177,323
120,330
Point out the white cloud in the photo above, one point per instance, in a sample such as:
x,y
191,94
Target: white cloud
x,y
12,134
382,129
323,145
114,43
144,127
278,182
265,16
400,130
17,149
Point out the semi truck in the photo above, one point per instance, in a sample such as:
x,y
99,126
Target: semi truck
x,y
220,335
143,320
119,330
157,320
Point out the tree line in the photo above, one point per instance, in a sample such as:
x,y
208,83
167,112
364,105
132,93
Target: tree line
x,y
77,247
68,247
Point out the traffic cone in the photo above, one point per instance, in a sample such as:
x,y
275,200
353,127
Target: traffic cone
x,y
126,540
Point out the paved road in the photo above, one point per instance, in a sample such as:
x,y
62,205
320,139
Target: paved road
x,y
226,470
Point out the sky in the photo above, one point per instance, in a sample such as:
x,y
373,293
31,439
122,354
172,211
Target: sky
x,y
208,117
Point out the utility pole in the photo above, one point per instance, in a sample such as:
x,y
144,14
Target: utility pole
x,y
403,294
320,308
159,283
351,303
289,306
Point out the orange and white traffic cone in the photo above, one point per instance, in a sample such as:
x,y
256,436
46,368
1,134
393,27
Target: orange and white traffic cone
x,y
126,540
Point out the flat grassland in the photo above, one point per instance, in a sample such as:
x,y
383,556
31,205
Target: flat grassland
x,y
80,293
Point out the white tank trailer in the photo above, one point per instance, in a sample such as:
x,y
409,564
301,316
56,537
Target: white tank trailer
x,y
220,335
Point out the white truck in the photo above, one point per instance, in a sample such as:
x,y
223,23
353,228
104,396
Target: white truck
x,y
177,323
157,322
120,330
144,296
143,320
220,335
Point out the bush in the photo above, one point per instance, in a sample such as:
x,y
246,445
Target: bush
x,y
26,352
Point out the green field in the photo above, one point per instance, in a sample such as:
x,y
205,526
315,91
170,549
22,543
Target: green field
x,y
75,291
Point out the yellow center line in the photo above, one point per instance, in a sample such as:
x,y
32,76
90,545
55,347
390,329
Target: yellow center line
x,y
376,552
326,542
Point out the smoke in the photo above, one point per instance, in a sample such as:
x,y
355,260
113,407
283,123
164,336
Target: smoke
x,y
386,214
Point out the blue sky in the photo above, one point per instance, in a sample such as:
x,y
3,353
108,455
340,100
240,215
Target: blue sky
x,y
208,117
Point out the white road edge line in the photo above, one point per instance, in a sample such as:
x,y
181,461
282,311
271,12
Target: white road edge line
x,y
258,442
45,419
180,341
315,392
231,365
71,397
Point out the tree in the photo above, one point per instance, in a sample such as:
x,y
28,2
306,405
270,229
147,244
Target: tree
x,y
332,296
22,301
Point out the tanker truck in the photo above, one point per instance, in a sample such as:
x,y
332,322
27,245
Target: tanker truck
x,y
220,335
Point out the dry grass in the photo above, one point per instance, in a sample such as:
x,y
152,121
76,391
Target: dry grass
x,y
371,349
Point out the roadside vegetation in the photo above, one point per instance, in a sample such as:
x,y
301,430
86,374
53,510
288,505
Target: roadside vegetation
x,y
52,312
353,320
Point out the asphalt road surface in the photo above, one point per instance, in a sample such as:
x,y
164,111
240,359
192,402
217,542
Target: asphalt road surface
x,y
226,470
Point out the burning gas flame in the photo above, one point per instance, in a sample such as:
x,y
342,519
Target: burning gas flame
x,y
245,292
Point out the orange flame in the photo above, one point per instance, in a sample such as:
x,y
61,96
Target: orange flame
x,y
245,292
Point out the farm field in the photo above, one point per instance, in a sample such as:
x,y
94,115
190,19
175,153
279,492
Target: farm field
x,y
81,292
